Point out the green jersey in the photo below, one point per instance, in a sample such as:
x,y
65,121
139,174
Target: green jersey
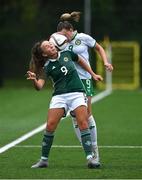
x,y
63,73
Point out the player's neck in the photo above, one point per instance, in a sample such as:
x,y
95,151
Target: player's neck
x,y
55,57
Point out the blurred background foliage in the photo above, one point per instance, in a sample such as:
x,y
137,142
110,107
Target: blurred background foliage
x,y
23,22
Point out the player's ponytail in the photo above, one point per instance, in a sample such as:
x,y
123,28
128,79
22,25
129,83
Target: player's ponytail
x,y
74,16
65,17
37,60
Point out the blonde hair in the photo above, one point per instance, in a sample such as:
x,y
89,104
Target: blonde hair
x,y
75,16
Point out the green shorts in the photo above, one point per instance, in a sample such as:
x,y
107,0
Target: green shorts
x,y
88,87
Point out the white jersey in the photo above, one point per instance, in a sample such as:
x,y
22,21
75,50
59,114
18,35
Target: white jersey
x,y
80,45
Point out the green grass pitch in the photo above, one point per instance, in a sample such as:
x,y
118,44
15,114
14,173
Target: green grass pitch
x,y
119,123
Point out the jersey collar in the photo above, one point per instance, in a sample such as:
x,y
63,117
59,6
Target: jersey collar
x,y
74,35
53,60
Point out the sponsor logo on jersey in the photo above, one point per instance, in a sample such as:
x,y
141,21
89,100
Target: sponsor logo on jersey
x,y
78,42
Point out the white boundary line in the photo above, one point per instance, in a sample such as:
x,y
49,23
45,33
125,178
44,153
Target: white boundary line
x,y
75,146
42,127
22,138
101,95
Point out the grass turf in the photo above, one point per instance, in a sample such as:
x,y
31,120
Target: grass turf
x,y
118,120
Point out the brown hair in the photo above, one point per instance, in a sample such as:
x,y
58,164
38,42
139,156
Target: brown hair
x,y
74,16
37,59
68,21
64,25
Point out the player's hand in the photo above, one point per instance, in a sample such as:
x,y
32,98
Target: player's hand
x,y
108,67
97,77
31,75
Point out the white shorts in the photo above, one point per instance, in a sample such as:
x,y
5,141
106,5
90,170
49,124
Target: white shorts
x,y
68,101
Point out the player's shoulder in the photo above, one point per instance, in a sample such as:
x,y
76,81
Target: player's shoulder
x,y
68,53
65,52
83,36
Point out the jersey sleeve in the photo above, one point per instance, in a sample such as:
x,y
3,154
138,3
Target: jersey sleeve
x,y
74,56
89,41
46,69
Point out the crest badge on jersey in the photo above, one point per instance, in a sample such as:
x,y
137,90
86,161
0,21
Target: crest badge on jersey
x,y
66,59
78,42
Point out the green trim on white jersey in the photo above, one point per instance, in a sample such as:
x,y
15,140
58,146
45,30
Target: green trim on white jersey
x,y
80,45
88,85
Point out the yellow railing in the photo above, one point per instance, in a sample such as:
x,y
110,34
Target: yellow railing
x,y
125,59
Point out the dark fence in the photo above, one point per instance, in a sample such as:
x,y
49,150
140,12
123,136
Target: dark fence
x,y
23,22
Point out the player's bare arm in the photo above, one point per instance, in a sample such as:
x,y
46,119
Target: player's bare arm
x,y
38,83
85,66
103,55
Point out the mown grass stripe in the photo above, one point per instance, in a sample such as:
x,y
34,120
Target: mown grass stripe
x,y
42,127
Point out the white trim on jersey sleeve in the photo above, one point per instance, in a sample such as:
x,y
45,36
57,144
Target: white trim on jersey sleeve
x,y
46,64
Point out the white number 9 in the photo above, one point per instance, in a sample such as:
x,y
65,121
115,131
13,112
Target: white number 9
x,y
88,83
64,70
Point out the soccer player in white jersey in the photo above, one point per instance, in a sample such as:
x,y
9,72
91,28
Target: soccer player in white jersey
x,y
79,43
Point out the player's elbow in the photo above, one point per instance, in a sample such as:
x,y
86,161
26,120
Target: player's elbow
x,y
38,88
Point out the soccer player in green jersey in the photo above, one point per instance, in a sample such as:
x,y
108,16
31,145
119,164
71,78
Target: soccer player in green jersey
x,y
79,43
68,95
